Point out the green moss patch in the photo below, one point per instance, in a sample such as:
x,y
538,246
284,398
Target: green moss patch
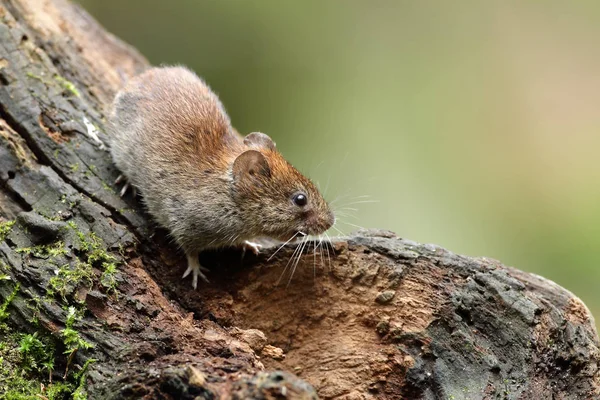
x,y
68,278
28,360
67,85
6,303
5,228
26,366
45,251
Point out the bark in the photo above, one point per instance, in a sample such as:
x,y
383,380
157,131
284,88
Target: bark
x,y
371,316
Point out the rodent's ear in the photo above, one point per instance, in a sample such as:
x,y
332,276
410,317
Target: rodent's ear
x,y
250,163
260,140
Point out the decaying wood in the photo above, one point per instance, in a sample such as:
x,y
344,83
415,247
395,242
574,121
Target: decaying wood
x,y
371,316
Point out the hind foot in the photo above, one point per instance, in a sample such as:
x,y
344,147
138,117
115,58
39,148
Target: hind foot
x,y
121,178
195,269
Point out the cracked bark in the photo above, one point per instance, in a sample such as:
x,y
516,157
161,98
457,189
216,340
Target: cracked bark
x,y
381,317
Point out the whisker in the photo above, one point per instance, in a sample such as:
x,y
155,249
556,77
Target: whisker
x,y
321,248
346,215
347,209
362,202
288,263
340,232
366,196
304,242
327,244
314,260
327,184
280,247
354,225
343,214
338,198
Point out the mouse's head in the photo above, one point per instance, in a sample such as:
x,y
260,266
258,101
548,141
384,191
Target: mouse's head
x,y
275,199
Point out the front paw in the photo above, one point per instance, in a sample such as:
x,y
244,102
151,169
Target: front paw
x,y
252,246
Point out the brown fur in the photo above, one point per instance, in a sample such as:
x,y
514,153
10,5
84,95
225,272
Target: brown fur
x,y
173,140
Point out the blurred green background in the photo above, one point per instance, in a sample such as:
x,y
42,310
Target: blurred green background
x,y
473,125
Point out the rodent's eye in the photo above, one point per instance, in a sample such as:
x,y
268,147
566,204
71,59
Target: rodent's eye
x,y
300,199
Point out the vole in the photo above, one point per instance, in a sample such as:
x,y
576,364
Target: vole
x,y
172,139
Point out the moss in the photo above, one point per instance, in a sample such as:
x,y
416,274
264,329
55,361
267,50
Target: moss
x,y
3,313
5,228
36,355
107,188
74,167
37,77
91,253
90,171
93,246
17,387
80,393
45,251
67,85
107,279
35,305
27,362
71,337
59,390
68,278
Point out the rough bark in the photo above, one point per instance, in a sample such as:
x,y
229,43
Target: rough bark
x,y
371,316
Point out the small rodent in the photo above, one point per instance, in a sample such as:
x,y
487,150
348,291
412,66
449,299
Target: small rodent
x,y
210,187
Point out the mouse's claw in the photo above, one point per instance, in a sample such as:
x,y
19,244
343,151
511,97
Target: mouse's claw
x,y
122,179
124,189
252,246
195,269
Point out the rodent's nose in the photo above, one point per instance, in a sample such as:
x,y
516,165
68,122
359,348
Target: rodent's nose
x,y
329,220
319,223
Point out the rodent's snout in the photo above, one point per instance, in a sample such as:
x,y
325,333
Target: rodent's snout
x,y
322,223
330,220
